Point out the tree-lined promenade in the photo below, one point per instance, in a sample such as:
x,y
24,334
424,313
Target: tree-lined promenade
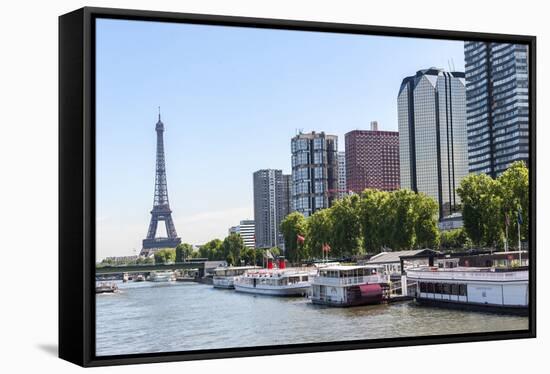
x,y
375,221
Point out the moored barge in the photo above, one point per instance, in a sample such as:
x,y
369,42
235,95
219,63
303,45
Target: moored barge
x,y
224,277
501,290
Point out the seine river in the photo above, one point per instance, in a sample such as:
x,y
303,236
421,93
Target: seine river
x,y
163,317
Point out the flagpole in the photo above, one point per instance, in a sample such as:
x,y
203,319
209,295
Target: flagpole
x,y
519,242
507,222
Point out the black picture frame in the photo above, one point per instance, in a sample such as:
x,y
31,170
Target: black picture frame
x,y
77,184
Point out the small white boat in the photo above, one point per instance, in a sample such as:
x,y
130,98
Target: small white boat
x,y
224,277
486,289
161,276
345,285
106,287
274,282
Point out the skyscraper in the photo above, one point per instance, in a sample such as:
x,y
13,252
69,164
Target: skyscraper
x,y
372,159
342,185
270,207
314,171
497,104
432,135
246,229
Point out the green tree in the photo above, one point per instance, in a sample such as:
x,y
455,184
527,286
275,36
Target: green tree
x,y
373,216
514,191
346,226
251,256
456,239
165,256
145,260
401,219
183,251
232,247
212,250
482,209
293,225
426,229
318,232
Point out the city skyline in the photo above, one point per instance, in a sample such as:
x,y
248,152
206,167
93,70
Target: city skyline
x,y
221,89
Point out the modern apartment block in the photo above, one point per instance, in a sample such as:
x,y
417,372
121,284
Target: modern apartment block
x,y
270,206
314,171
246,229
342,185
433,143
372,159
497,105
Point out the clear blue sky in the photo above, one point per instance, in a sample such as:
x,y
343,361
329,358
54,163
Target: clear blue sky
x,y
231,98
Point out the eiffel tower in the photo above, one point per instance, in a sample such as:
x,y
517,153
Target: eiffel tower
x,y
161,207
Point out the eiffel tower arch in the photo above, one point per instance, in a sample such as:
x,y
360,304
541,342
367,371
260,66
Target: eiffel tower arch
x,y
161,211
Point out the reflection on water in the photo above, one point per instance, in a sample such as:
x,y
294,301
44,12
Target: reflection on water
x,y
163,317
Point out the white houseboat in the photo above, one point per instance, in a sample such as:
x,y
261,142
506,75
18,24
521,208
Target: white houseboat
x,y
487,289
274,282
224,277
345,285
162,276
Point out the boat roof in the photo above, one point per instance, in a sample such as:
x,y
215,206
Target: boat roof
x,y
348,267
236,267
385,257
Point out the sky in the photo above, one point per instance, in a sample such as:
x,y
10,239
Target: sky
x,y
231,98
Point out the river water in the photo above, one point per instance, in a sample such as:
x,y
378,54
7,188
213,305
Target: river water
x,y
147,317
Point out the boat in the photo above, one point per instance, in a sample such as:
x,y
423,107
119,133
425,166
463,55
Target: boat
x,y
349,285
139,278
161,276
279,281
224,277
106,287
501,290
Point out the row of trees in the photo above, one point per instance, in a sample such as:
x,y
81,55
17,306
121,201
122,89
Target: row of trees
x,y
231,249
367,222
493,207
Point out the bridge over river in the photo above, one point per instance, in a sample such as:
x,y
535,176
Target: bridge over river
x,y
147,268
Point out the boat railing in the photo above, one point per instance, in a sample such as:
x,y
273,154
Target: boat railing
x,y
469,275
349,281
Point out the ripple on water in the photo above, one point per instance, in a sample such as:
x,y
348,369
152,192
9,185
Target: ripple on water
x,y
157,317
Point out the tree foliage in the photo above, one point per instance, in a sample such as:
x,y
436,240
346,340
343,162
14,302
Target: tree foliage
x,y
232,247
165,256
456,239
183,252
293,225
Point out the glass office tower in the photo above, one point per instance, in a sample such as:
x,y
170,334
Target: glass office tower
x,y
432,135
497,102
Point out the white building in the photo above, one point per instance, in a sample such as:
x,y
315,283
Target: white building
x,y
246,229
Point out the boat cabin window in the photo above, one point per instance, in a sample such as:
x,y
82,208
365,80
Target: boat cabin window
x,y
443,288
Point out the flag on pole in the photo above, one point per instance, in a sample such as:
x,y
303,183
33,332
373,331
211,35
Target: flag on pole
x,y
300,239
507,219
520,218
326,248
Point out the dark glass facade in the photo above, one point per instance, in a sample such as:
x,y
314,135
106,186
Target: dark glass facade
x,y
497,102
433,147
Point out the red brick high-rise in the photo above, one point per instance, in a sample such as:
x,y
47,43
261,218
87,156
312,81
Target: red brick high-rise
x,y
372,159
